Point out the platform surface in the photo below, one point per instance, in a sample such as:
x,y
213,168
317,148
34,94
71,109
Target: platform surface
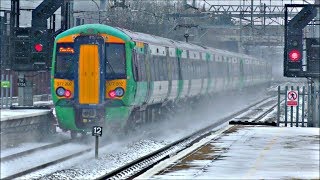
x,y
253,153
11,114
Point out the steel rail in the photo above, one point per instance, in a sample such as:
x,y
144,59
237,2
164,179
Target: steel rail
x,y
140,165
27,152
267,112
255,120
36,168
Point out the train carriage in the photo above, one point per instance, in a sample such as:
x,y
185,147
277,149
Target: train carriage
x,y
103,75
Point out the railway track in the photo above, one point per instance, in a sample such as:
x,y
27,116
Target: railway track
x,y
255,118
141,165
30,151
40,150
134,168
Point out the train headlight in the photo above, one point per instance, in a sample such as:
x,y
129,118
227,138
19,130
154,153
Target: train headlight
x,y
119,91
67,94
60,91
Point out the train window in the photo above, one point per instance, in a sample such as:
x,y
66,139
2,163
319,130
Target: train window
x,y
142,66
154,69
115,61
165,68
173,68
139,66
182,69
152,73
177,68
135,67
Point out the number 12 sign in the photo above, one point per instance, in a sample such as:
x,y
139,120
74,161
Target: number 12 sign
x,y
96,131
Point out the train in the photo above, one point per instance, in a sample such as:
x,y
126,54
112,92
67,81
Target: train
x,y
114,77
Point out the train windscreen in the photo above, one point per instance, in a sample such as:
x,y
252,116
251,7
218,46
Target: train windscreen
x,y
64,66
115,61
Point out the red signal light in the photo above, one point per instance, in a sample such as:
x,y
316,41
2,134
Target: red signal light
x,y
38,47
294,55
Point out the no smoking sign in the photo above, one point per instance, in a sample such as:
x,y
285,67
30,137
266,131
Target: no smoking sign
x,y
292,98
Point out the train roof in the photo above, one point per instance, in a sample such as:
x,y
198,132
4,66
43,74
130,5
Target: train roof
x,y
147,38
157,40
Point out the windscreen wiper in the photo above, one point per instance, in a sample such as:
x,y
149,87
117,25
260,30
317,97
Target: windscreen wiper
x,y
110,67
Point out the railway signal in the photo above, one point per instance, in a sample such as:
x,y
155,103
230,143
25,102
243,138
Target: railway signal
x,y
293,49
40,56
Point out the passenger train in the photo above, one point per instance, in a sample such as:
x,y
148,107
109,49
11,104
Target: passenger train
x,y
109,76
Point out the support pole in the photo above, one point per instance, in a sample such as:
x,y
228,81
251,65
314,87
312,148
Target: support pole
x,y
285,107
297,108
316,103
309,123
21,91
2,94
278,110
97,147
11,89
303,94
291,112
7,92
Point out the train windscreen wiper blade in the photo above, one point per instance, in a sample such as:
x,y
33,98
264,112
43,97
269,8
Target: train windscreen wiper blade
x,y
110,67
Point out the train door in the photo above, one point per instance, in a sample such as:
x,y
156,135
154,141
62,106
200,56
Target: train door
x,y
89,83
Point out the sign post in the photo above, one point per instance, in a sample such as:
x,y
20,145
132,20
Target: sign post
x,y
97,131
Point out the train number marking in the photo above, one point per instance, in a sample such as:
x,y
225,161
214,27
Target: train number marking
x,y
68,83
115,83
96,131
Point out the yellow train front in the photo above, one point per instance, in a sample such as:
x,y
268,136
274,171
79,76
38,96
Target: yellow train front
x,y
89,74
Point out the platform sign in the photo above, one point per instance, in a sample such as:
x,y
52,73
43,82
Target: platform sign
x,y
5,84
21,82
292,98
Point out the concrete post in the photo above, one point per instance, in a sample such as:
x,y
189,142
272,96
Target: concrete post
x,y
25,92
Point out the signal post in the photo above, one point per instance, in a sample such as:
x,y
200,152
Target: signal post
x,y
298,63
32,46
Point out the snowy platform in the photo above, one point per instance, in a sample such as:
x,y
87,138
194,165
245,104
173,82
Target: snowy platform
x,y
8,114
250,152
24,120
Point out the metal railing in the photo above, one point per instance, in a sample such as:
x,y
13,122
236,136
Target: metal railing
x,y
7,99
296,110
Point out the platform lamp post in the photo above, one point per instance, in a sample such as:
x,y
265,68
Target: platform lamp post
x,y
98,7
316,115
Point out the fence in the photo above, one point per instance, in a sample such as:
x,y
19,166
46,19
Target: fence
x,y
298,106
9,87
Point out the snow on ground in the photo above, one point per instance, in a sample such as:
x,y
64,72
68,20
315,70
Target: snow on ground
x,y
35,159
254,153
21,148
121,150
7,114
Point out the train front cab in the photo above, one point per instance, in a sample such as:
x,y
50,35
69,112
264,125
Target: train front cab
x,y
90,79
